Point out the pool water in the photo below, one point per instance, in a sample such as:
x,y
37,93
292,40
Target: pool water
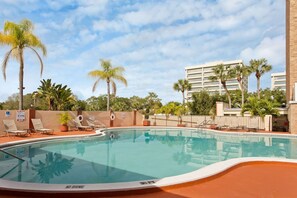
x,y
133,155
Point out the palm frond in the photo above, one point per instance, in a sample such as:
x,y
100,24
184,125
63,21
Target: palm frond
x,y
98,74
26,25
34,41
40,60
95,84
121,79
6,39
5,61
114,88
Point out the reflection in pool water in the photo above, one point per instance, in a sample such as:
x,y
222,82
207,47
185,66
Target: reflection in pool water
x,y
134,155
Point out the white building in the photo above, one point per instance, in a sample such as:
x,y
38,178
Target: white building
x,y
198,77
278,80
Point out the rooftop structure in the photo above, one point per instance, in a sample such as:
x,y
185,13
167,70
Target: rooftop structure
x,y
278,81
198,77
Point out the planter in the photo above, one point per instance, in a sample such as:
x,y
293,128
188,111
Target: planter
x,y
181,125
63,128
213,126
146,123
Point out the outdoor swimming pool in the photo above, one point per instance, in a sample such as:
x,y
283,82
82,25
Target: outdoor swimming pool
x,y
129,155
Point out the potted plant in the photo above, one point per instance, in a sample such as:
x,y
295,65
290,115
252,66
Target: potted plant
x,y
146,121
64,118
180,110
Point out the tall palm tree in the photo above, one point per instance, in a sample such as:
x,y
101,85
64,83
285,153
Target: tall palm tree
x,y
18,37
108,74
259,66
182,86
241,71
222,73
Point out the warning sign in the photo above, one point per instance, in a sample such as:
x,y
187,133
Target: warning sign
x,y
20,116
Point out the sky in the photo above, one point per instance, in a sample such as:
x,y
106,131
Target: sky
x,y
154,40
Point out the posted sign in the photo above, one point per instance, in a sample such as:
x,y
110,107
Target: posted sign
x,y
20,116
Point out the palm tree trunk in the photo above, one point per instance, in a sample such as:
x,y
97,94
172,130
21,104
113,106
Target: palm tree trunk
x,y
228,95
21,80
258,87
108,93
242,93
183,97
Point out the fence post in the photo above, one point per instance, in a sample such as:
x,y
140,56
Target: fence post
x,y
31,115
110,118
134,117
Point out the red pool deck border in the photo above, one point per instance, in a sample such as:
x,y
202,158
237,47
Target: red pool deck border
x,y
249,179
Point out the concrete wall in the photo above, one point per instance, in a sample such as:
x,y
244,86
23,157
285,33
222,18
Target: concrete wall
x,y
191,121
291,47
22,125
291,61
50,119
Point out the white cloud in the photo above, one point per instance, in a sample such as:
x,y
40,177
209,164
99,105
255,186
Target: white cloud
x,y
154,40
162,12
270,48
105,25
90,8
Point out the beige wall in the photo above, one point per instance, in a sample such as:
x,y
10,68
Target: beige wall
x,y
21,125
292,117
191,121
50,119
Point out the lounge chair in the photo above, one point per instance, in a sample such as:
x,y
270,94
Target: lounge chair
x,y
80,126
95,125
38,127
10,127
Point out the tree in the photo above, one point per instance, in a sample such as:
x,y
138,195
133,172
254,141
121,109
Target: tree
x,y
137,103
96,103
223,74
153,102
275,95
108,74
260,107
12,102
18,37
241,71
202,103
168,109
121,104
260,67
182,86
58,97
46,91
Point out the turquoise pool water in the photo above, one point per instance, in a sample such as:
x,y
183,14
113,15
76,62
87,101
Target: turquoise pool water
x,y
133,155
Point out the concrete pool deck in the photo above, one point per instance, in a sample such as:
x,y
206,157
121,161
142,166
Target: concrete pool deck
x,y
251,179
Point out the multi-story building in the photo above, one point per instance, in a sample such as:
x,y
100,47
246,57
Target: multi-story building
x,y
198,77
278,80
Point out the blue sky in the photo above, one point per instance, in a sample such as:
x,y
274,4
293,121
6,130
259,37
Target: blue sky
x,y
154,40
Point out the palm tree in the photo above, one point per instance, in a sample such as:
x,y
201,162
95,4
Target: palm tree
x,y
18,37
241,71
260,107
46,91
57,96
222,73
260,67
182,86
108,74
